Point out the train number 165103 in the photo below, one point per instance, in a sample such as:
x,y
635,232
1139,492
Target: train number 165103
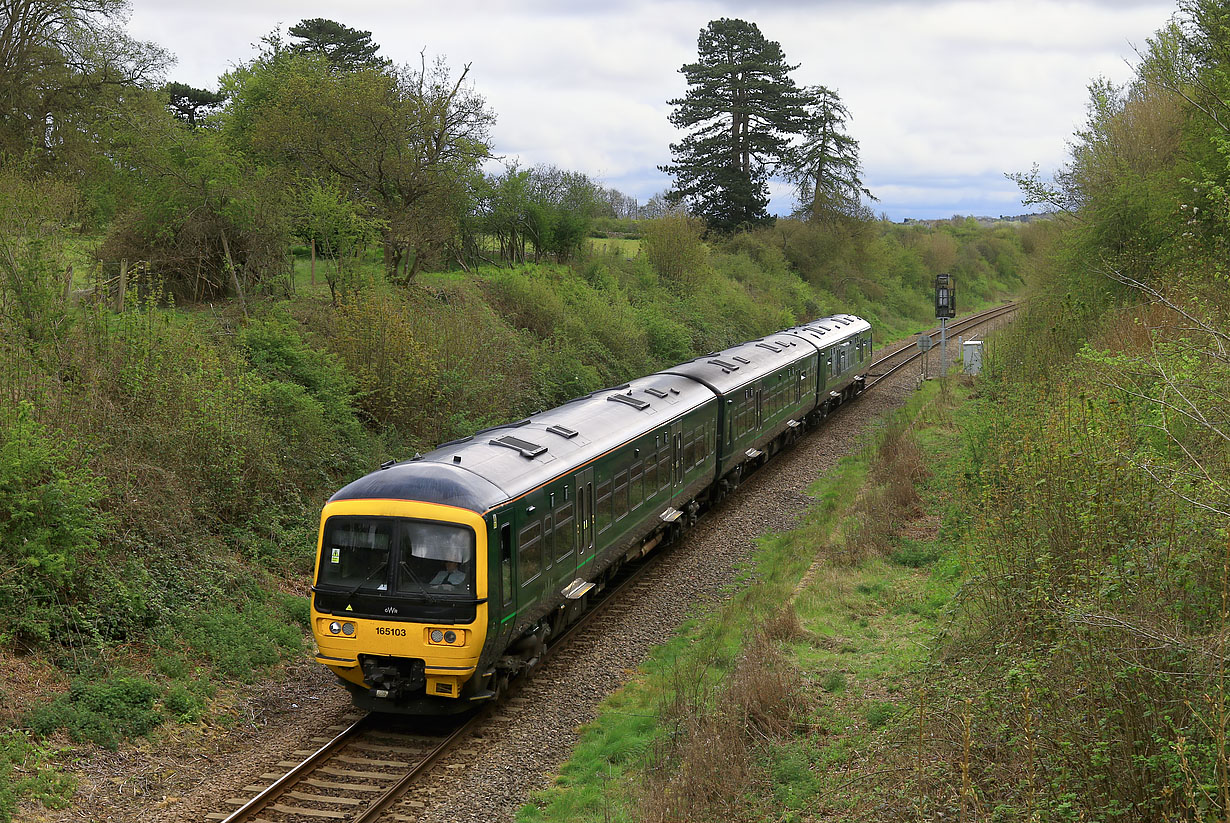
x,y
387,630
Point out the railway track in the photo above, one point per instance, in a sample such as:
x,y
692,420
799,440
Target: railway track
x,y
962,324
361,773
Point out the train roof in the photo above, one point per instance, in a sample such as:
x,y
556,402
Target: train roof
x,y
726,370
829,330
504,462
501,463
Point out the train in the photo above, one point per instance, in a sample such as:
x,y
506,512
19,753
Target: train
x,y
442,578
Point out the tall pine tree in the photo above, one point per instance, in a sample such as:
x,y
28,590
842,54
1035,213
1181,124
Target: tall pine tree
x,y
742,108
825,167
345,48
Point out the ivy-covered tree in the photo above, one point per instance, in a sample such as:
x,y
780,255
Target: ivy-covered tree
x,y
742,108
825,167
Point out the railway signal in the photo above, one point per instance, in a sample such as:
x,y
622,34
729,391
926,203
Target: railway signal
x,y
945,307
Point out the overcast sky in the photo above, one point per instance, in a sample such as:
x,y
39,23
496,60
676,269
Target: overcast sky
x,y
945,96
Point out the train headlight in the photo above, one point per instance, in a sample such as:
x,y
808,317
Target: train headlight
x,y
437,636
335,627
348,629
450,637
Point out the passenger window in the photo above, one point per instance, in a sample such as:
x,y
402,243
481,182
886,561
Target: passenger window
x,y
636,488
548,539
563,531
621,494
530,551
604,505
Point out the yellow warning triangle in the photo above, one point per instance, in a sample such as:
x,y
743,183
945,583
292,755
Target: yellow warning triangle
x,y
348,608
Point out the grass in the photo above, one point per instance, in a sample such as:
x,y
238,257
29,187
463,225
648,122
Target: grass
x,y
615,245
849,640
213,432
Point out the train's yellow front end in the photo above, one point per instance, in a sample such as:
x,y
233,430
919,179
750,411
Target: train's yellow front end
x,y
399,605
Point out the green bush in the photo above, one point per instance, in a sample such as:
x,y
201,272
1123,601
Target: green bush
x,y
244,637
103,712
879,713
50,523
27,770
182,704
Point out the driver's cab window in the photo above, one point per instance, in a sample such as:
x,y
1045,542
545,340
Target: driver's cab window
x,y
437,558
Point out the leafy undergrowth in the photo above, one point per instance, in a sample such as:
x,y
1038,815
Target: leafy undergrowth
x,y
162,466
777,723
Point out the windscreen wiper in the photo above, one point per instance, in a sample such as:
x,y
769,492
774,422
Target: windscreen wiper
x,y
366,580
431,598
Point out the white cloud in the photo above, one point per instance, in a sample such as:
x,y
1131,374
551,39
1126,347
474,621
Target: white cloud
x,y
938,90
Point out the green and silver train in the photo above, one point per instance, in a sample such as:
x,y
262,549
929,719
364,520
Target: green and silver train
x,y
439,579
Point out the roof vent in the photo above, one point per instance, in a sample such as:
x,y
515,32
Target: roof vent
x,y
629,400
723,364
770,347
744,360
656,393
563,431
388,464
527,449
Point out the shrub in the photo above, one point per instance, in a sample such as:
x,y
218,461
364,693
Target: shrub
x,y
674,246
242,638
308,394
103,712
49,523
879,713
26,770
180,703
395,378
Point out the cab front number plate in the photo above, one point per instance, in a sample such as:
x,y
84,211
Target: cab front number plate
x,y
394,632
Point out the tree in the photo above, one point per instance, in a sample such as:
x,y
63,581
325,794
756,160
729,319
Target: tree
x,y
61,63
345,48
202,215
742,107
401,141
543,210
189,104
825,167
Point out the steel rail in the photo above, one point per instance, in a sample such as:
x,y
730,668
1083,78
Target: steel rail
x,y
972,320
633,573
379,806
284,783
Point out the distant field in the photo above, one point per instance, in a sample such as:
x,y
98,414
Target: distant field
x,y
626,247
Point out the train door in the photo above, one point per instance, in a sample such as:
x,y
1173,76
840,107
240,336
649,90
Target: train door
x,y
760,405
585,516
